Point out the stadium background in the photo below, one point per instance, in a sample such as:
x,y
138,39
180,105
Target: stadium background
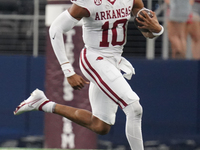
x,y
169,89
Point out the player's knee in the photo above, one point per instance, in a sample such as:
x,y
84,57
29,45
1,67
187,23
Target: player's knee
x,y
102,130
134,109
99,126
137,109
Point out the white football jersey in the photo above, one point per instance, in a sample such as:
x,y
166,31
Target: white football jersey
x,y
106,27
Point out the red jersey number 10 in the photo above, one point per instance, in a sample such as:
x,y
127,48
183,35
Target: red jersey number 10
x,y
105,27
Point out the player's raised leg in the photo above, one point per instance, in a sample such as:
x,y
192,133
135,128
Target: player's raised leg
x,y
38,101
84,118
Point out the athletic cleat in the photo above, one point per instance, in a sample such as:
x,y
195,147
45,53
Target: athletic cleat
x,y
33,103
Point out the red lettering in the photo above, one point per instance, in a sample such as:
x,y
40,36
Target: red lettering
x,y
129,9
127,12
108,14
113,14
118,13
97,16
123,13
103,15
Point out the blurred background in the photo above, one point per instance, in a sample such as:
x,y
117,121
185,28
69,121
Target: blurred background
x,y
169,88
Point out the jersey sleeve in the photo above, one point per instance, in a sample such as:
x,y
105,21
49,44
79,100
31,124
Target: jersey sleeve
x,y
84,4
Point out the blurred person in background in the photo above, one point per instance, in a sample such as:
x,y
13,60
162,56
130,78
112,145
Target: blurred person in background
x,y
179,11
193,29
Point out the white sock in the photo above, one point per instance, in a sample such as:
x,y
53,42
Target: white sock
x,y
133,125
49,107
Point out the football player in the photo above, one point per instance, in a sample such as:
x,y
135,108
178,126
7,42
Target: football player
x,y
104,34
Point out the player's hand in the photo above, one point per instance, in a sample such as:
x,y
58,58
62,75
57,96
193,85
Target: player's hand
x,y
149,23
77,82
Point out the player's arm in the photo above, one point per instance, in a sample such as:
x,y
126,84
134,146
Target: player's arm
x,y
63,23
149,23
138,5
78,12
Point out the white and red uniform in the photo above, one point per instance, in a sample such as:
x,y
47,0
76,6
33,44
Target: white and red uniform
x,y
106,27
104,35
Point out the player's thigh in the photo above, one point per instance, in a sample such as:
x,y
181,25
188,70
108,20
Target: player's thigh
x,y
108,78
102,106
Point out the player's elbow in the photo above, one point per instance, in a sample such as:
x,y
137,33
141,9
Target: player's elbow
x,y
52,30
55,29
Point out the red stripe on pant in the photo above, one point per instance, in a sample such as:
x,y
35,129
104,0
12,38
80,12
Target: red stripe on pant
x,y
101,81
